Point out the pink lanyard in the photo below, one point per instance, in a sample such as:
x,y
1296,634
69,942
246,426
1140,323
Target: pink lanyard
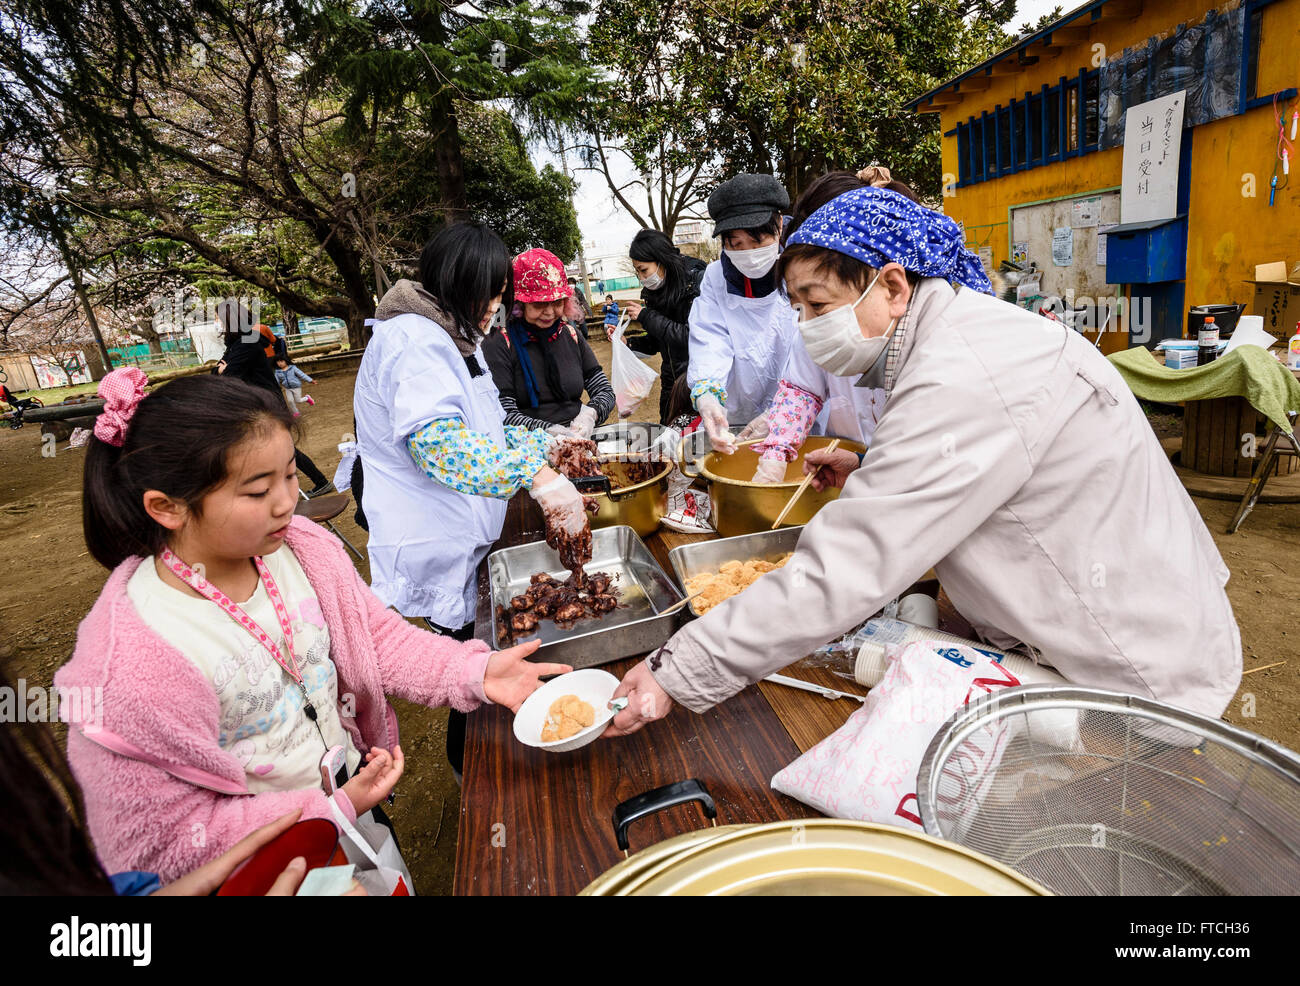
x,y
232,609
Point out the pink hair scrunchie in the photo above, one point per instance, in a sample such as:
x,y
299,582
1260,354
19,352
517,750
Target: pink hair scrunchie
x,y
122,391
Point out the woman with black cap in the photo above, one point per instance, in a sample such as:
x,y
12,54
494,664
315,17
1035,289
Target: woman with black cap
x,y
741,326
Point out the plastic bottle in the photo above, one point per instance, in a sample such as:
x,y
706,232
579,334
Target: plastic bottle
x,y
1293,349
1207,342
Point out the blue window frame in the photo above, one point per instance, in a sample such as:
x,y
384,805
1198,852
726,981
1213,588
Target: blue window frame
x,y
1250,52
1034,129
1057,123
1063,121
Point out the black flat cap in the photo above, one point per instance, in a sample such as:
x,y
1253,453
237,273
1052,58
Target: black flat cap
x,y
746,201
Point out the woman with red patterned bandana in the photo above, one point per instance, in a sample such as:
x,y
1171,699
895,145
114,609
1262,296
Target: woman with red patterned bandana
x,y
541,363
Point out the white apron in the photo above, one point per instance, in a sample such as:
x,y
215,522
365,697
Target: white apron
x,y
426,539
741,341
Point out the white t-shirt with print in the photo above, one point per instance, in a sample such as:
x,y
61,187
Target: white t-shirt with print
x,y
262,722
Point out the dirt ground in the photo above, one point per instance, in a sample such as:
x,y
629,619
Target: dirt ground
x,y
51,582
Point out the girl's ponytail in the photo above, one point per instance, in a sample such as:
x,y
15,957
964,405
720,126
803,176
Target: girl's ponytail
x,y
175,440
113,529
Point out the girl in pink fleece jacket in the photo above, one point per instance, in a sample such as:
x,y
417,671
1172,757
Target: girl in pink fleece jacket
x,y
234,644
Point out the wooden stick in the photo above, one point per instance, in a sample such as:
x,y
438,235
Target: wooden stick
x,y
681,602
1264,668
807,481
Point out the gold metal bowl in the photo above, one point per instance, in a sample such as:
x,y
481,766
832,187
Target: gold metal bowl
x,y
640,506
741,506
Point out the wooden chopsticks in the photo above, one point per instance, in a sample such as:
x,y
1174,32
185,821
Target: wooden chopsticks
x,y
807,480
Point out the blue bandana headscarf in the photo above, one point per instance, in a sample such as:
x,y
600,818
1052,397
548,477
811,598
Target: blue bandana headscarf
x,y
878,227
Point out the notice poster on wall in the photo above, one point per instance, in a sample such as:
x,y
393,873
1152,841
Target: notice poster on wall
x,y
1063,246
1084,212
1102,230
986,257
1153,134
1020,251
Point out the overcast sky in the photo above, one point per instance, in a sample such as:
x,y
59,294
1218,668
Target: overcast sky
x,y
606,226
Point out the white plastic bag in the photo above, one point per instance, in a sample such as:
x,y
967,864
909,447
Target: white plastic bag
x,y
370,845
866,769
631,379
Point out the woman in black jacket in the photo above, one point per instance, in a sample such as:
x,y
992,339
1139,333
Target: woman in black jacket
x,y
670,283
246,359
541,364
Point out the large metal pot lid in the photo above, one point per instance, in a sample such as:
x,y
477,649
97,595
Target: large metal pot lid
x,y
812,857
631,436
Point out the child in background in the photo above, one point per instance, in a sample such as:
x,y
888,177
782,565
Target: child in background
x,y
291,379
234,643
610,308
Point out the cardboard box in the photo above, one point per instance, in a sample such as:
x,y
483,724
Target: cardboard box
x,y
1277,297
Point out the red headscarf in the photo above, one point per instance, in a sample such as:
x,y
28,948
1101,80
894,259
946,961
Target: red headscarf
x,y
539,276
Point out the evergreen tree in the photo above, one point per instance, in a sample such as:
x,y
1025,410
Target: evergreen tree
x,y
787,87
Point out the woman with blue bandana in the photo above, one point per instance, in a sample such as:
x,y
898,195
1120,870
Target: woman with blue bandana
x,y
809,400
1009,456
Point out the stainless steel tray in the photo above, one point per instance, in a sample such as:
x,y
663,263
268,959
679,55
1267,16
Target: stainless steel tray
x,y
690,560
635,627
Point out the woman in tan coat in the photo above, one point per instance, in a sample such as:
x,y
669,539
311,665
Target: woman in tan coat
x,y
1009,456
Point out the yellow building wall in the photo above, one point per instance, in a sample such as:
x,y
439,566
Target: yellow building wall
x,y
1228,231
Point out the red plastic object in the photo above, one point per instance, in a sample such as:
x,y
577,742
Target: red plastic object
x,y
315,839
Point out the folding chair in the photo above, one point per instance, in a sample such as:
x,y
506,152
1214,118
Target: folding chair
x,y
323,510
1255,487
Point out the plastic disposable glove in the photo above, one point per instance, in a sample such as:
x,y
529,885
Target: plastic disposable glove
x,y
583,423
714,417
560,448
755,431
770,471
561,431
562,504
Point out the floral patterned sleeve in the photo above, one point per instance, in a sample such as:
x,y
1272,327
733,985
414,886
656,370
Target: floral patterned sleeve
x,y
472,462
520,436
713,387
789,421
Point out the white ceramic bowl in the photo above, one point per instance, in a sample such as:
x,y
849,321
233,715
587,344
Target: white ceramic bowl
x,y
590,684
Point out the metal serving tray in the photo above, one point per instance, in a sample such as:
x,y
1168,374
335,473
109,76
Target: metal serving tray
x,y
635,627
690,560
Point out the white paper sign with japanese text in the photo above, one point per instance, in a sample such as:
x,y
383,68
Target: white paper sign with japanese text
x,y
1152,137
1063,246
1083,212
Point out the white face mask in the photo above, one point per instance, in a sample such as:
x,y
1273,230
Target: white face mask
x,y
757,262
652,283
835,342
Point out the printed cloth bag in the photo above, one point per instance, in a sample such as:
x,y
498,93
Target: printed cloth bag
x,y
866,769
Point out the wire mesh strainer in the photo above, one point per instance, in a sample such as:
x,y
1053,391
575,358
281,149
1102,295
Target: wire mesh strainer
x,y
1098,793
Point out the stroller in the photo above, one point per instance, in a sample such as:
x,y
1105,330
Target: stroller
x,y
20,407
